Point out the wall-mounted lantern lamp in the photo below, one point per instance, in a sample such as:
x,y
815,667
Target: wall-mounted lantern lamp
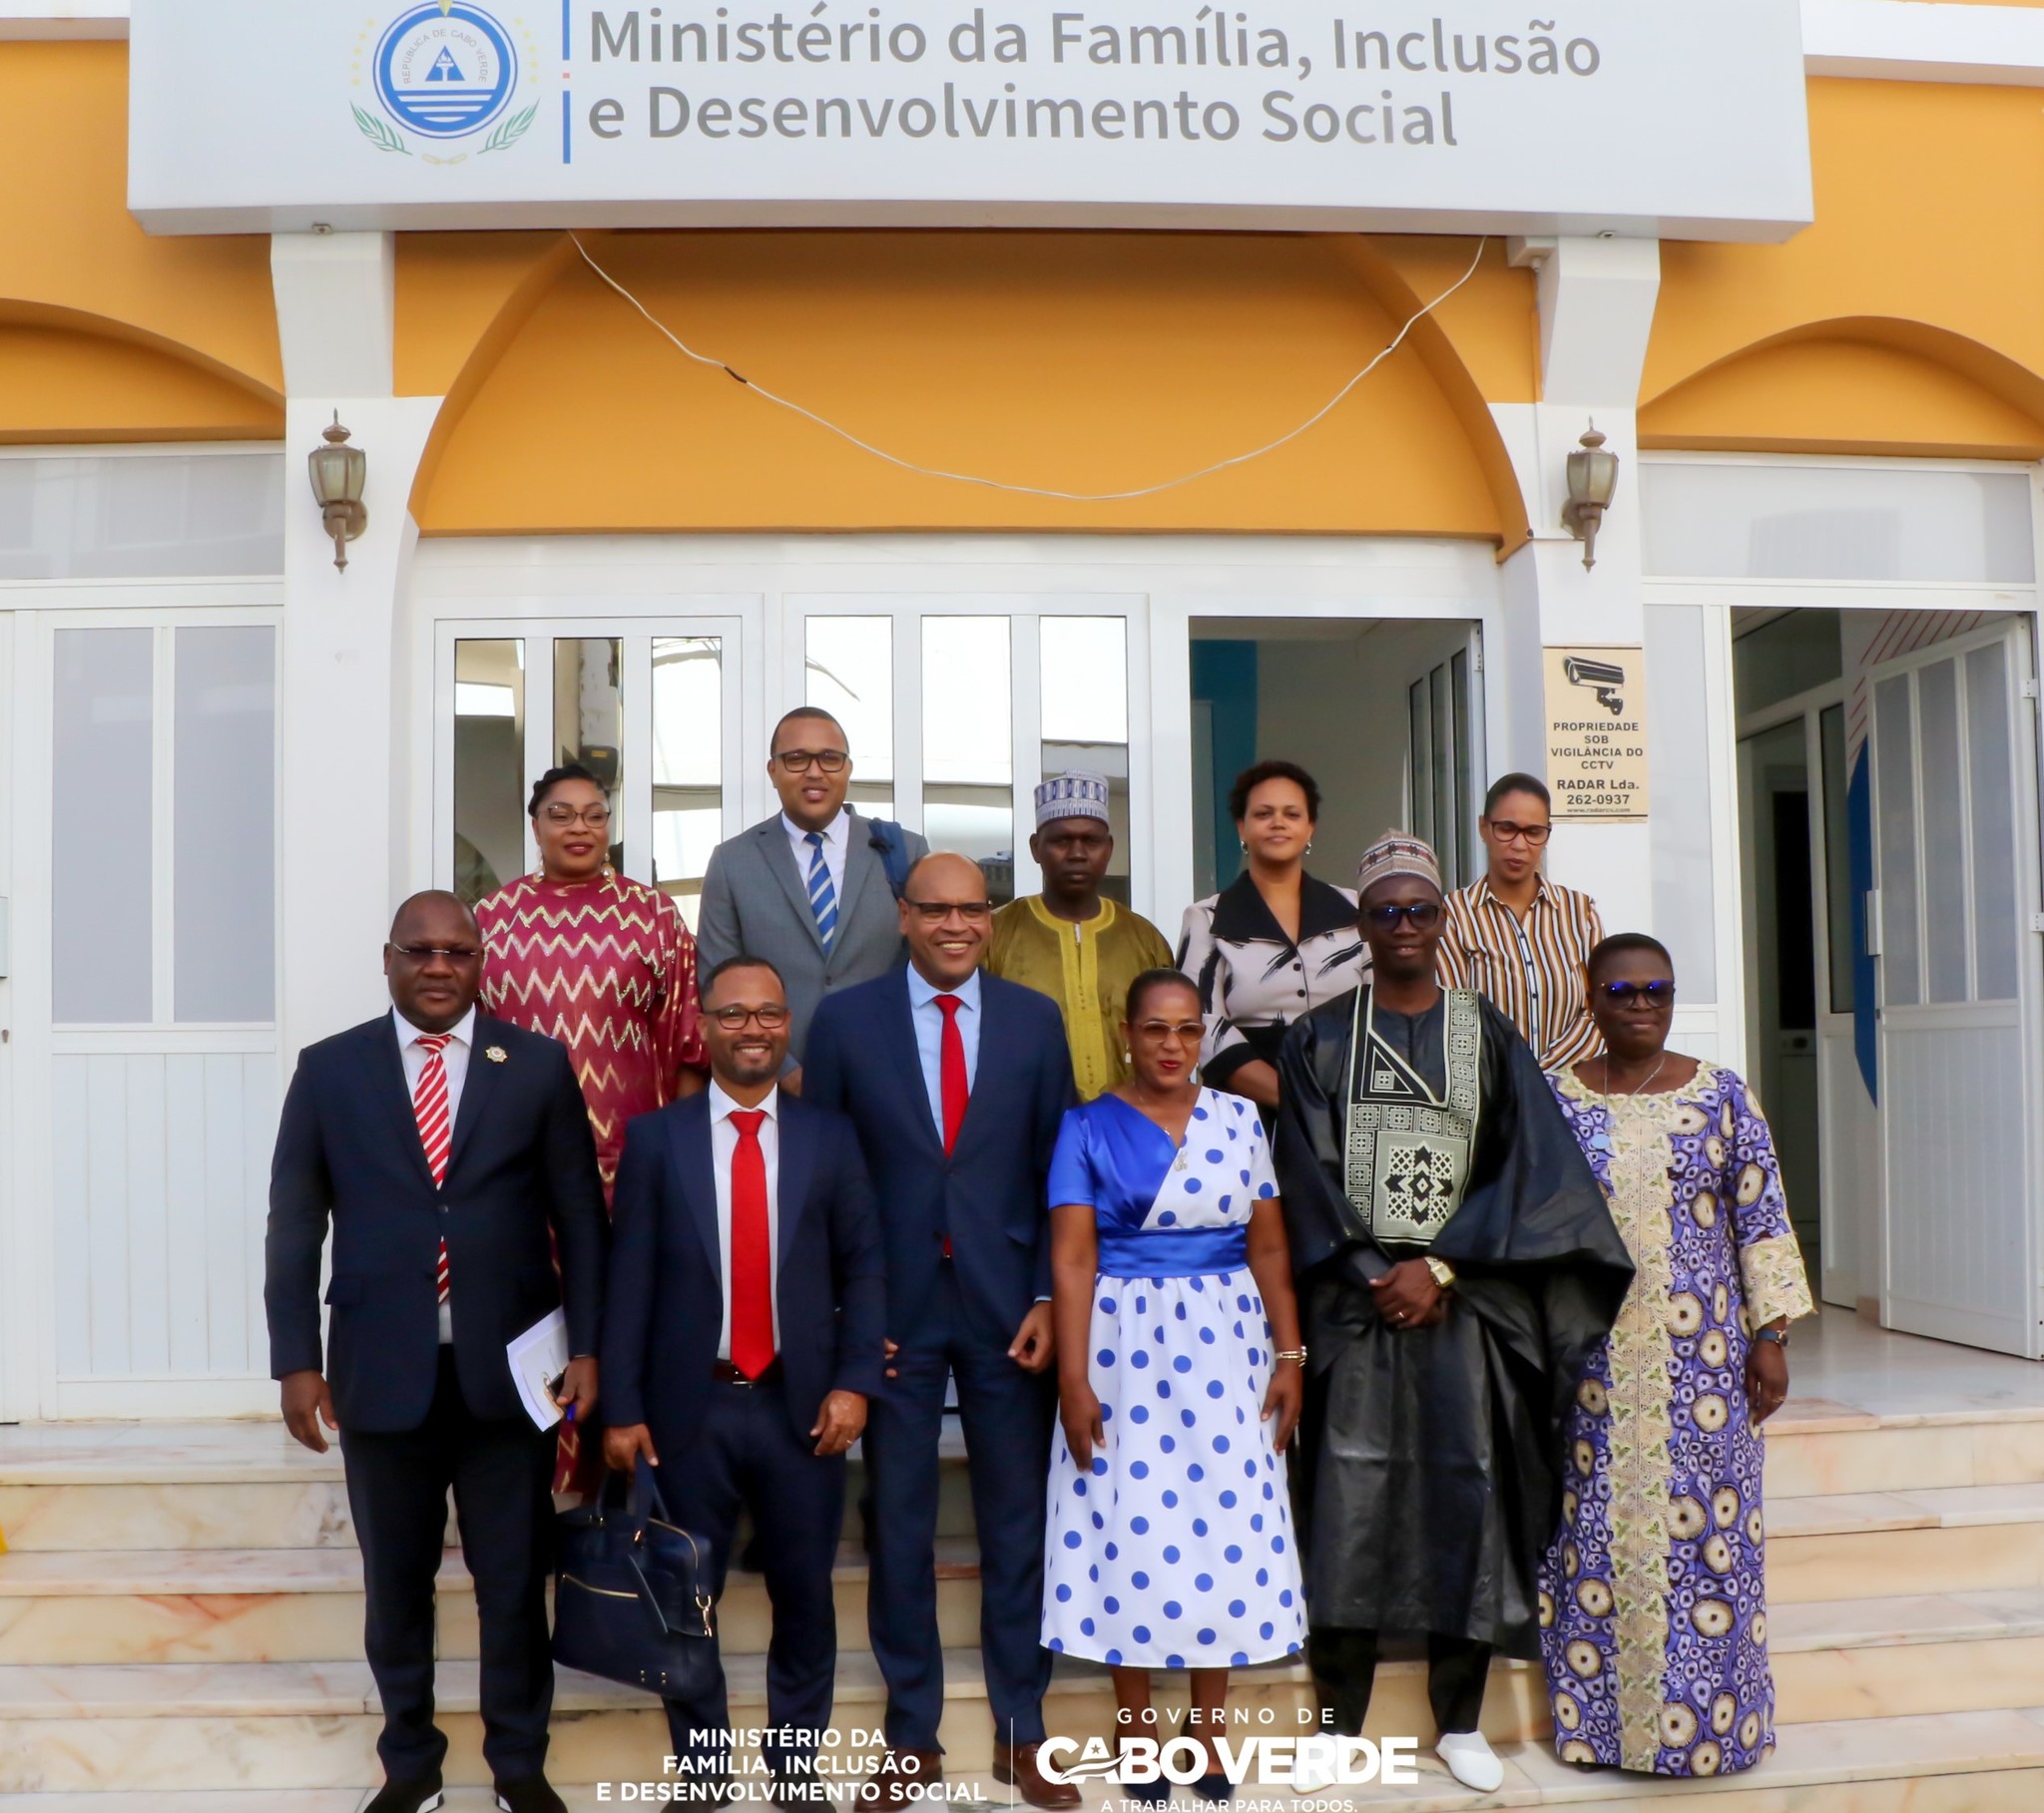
x,y
1593,478
338,472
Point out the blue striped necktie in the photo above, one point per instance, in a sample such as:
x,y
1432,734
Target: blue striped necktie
x,y
822,896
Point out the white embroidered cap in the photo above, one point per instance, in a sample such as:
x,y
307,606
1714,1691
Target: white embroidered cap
x,y
1077,793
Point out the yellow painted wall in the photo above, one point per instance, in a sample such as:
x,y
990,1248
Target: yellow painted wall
x,y
158,338
1076,362
1927,249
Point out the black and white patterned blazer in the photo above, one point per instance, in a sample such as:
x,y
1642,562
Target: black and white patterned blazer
x,y
1253,979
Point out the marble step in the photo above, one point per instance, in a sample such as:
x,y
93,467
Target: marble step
x,y
59,1606
1968,1762
237,1485
1816,1448
309,1725
1947,1539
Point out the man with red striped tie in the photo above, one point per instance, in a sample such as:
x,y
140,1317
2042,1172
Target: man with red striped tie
x,y
741,1341
452,1155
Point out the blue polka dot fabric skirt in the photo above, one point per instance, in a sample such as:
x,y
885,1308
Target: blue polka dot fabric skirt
x,y
1174,1549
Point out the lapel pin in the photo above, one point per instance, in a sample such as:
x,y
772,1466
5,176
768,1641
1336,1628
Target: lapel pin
x,y
495,1053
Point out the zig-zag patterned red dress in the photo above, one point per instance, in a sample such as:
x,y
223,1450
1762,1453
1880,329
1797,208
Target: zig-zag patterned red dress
x,y
607,967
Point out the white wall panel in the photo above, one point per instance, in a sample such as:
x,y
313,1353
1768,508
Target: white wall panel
x,y
1952,1092
160,1213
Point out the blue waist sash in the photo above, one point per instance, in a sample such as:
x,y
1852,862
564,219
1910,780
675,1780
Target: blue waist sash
x,y
1190,1252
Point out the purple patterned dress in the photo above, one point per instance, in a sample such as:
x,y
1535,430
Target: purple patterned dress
x,y
1652,1607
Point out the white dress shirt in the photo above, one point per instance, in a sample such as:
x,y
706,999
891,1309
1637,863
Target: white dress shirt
x,y
929,1035
454,1059
723,1146
836,837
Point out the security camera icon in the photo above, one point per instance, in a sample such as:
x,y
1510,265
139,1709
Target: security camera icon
x,y
1605,677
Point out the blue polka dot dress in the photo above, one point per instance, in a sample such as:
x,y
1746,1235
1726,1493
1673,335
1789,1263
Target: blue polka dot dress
x,y
1174,1549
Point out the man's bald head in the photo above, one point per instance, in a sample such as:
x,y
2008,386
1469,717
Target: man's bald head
x,y
432,901
944,917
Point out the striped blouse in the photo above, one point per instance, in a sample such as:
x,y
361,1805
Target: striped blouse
x,y
1533,971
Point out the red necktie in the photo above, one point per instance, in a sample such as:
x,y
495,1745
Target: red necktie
x,y
751,1250
436,1124
952,1070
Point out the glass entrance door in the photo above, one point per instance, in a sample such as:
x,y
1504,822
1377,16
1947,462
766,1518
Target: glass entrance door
x,y
651,709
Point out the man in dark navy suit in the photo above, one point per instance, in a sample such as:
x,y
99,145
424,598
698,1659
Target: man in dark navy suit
x,y
445,1147
956,1082
742,1341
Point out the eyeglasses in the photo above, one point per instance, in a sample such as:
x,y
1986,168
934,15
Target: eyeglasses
x,y
1637,994
454,953
936,912
772,1018
1189,1032
1423,914
801,761
596,816
1502,830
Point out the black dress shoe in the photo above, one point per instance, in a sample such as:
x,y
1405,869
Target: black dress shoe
x,y
420,1796
529,1794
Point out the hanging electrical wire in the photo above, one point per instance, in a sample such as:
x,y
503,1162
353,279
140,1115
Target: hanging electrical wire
x,y
993,484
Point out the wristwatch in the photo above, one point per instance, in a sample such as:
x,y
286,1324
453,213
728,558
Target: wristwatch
x,y
1779,1336
1443,1272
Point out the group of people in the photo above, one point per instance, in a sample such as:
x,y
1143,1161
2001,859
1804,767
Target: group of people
x,y
1366,1267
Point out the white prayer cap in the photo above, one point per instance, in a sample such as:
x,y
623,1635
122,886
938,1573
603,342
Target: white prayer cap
x,y
1077,793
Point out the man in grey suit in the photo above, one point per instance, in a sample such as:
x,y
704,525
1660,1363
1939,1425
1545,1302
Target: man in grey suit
x,y
806,890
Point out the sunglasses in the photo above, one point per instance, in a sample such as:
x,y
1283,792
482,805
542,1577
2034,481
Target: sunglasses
x,y
1637,994
1424,915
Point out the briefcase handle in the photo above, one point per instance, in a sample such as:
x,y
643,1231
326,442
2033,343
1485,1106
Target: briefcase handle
x,y
644,1504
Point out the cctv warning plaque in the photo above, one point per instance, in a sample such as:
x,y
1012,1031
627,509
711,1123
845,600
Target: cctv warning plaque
x,y
1597,732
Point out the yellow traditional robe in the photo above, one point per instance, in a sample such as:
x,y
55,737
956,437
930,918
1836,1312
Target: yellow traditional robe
x,y
1085,969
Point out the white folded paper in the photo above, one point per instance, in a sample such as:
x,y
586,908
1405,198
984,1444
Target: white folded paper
x,y
538,1359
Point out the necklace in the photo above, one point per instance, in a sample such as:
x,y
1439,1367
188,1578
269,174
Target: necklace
x,y
1637,1090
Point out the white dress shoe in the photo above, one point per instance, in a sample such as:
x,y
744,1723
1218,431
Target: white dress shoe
x,y
1471,1761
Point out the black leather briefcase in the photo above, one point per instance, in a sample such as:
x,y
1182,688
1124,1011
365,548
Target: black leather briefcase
x,y
632,1599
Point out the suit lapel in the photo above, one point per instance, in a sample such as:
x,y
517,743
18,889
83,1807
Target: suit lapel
x,y
798,1166
387,1066
861,863
899,1022
695,1158
476,1088
781,859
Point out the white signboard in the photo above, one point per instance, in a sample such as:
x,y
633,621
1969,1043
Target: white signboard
x,y
1672,118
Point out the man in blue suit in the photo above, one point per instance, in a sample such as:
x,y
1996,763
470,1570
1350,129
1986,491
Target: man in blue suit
x,y
744,1339
445,1147
956,1082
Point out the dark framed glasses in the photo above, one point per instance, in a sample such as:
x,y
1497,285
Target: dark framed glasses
x,y
1637,994
1532,835
825,761
936,912
1424,915
772,1018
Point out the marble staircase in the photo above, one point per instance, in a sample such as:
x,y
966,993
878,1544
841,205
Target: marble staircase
x,y
181,1615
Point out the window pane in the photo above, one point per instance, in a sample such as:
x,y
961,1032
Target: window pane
x,y
1944,835
851,665
1837,857
1833,522
969,763
224,858
102,879
1084,661
1465,707
489,765
1679,782
1896,783
688,764
589,721
1991,768
1420,750
96,516
1789,655
1445,815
